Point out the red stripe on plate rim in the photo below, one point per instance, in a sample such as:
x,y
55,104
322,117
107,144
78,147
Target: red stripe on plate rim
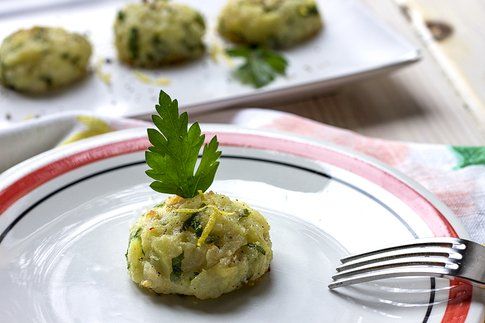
x,y
456,311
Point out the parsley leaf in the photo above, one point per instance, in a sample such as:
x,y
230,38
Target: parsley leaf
x,y
193,223
260,67
175,151
177,267
133,43
257,247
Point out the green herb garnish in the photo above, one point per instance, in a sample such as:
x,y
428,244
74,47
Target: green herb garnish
x,y
200,20
244,213
175,151
212,239
311,10
47,80
121,15
257,247
161,204
193,223
133,235
177,267
136,234
260,67
133,43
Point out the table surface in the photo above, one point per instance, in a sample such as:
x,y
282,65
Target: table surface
x,y
437,100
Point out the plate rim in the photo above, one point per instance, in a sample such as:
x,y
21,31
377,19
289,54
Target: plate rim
x,y
14,174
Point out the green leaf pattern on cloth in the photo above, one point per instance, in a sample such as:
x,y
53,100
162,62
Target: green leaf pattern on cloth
x,y
469,156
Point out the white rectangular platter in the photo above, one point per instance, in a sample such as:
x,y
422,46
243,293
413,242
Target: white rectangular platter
x,y
353,45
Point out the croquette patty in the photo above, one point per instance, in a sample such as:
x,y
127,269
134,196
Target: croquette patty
x,y
272,23
152,34
204,246
41,59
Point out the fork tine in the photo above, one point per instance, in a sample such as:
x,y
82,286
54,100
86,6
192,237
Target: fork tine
x,y
400,253
395,263
425,242
390,273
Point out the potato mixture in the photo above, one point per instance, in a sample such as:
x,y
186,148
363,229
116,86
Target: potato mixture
x,y
273,23
41,59
152,34
204,246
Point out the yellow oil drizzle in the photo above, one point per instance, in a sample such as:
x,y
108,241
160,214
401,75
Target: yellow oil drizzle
x,y
217,54
147,79
93,127
103,76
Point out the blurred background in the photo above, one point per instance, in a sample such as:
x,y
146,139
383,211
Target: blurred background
x,y
439,99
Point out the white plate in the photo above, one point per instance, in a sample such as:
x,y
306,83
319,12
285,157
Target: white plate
x,y
65,217
353,45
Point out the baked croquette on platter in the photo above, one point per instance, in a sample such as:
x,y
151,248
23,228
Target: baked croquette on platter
x,y
42,59
157,33
272,23
127,86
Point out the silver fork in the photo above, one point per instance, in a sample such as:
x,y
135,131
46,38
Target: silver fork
x,y
432,257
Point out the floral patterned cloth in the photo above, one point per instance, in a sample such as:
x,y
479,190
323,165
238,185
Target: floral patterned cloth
x,y
455,174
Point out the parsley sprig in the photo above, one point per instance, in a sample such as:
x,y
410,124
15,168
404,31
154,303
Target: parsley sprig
x,y
260,66
175,151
